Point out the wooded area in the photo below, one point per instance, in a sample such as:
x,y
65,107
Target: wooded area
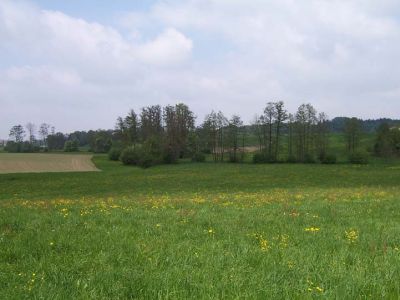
x,y
163,135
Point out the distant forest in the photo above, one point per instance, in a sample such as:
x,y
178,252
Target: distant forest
x,y
158,135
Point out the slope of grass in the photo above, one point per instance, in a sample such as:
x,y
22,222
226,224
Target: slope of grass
x,y
202,231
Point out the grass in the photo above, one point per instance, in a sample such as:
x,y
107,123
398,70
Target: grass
x,y
202,231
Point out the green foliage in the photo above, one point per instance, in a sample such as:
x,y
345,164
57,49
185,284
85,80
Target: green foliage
x,y
102,145
292,159
21,147
236,158
329,159
198,157
114,153
13,147
169,156
131,155
359,158
71,146
56,141
263,158
309,159
146,160
387,141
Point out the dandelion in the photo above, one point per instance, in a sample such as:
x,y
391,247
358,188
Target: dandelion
x,y
290,265
351,235
312,229
264,245
211,231
51,243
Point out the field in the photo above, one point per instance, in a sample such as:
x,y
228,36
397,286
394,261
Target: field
x,y
202,231
38,163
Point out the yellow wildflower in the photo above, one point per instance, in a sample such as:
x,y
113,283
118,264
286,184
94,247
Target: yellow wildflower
x,y
312,229
351,235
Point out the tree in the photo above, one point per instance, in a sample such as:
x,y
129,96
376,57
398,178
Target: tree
x,y
268,120
56,141
179,123
151,122
291,129
257,128
352,132
234,130
281,116
121,131
304,131
31,128
214,127
17,133
131,125
44,132
387,141
322,136
222,122
71,146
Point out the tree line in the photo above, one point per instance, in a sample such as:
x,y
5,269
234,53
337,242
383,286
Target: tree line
x,y
165,134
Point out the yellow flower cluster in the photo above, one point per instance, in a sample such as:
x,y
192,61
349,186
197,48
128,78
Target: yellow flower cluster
x,y
314,287
312,229
351,235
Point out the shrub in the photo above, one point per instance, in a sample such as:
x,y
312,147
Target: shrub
x,y
169,156
27,147
71,146
131,155
309,159
329,159
13,147
101,145
236,158
146,161
291,159
359,157
258,158
114,154
199,157
263,158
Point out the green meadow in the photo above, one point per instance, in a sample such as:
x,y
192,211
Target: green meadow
x,y
202,231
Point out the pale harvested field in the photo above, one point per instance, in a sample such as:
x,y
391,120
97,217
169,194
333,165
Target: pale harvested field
x,y
40,163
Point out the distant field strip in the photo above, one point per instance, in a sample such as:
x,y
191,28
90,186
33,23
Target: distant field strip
x,y
40,163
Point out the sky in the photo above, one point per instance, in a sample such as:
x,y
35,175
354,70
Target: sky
x,y
78,65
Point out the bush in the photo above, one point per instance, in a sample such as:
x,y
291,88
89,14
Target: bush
x,y
27,147
138,156
114,154
131,155
71,146
236,158
258,158
146,161
359,158
329,159
169,156
199,157
291,159
12,147
309,159
263,158
24,147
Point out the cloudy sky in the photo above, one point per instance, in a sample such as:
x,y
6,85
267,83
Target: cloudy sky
x,y
80,64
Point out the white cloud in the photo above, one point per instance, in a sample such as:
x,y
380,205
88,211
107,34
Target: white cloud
x,y
231,55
